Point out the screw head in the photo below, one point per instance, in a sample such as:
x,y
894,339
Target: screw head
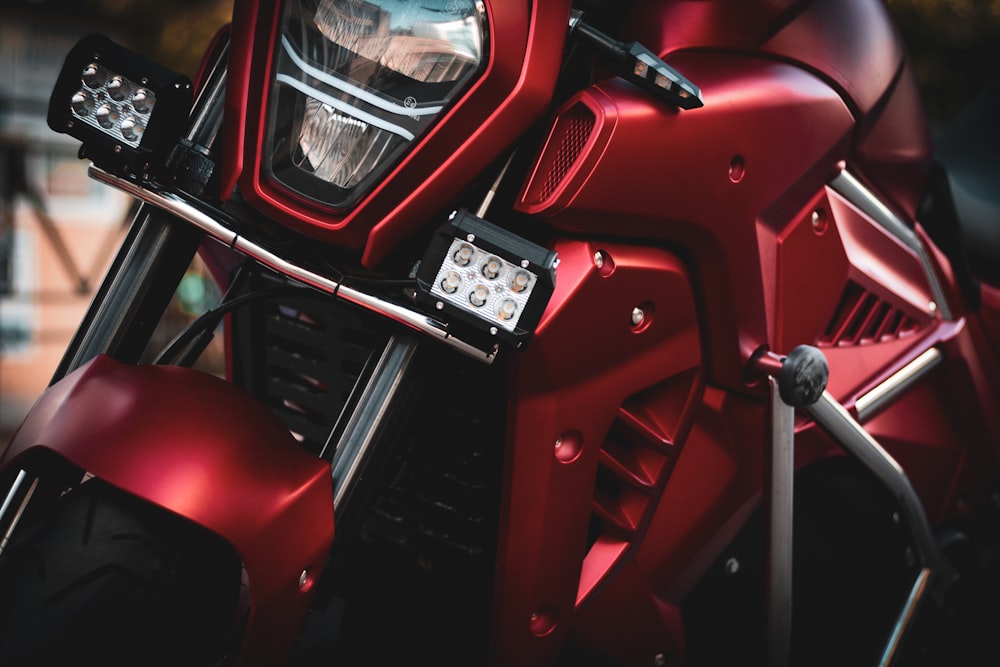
x,y
638,316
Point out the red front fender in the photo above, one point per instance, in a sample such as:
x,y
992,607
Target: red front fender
x,y
198,446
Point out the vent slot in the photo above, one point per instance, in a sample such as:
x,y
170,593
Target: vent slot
x,y
862,318
570,135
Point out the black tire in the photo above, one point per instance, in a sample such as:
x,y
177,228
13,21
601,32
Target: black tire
x,y
107,579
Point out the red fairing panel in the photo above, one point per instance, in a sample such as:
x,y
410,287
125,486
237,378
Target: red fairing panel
x,y
196,445
850,44
719,180
600,391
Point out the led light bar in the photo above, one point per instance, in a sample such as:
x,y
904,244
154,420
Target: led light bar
x,y
106,97
485,277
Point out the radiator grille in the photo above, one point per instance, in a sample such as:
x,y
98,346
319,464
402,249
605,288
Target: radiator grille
x,y
301,357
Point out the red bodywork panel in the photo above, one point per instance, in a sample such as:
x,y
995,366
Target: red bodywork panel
x,y
589,369
719,181
774,258
199,447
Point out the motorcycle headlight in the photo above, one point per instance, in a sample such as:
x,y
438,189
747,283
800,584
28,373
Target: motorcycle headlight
x,y
355,82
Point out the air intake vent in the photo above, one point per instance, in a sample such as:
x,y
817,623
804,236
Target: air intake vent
x,y
570,135
560,157
862,318
635,462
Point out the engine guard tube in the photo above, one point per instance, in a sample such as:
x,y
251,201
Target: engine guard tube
x,y
197,446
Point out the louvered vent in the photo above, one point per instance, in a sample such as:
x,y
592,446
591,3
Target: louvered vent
x,y
626,480
862,318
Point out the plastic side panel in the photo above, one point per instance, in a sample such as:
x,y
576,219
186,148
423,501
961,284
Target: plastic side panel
x,y
712,179
893,151
199,447
586,357
668,27
850,43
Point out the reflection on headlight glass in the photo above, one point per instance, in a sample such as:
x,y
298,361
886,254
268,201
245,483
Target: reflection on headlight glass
x,y
421,40
355,82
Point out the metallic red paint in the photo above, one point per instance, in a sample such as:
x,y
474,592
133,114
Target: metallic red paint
x,y
583,364
199,447
655,174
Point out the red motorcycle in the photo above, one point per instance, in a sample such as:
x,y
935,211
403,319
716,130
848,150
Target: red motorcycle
x,y
643,333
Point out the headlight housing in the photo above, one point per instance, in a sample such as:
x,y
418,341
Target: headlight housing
x,y
354,83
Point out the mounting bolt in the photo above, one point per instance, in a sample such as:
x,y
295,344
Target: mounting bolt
x,y
732,566
638,316
599,259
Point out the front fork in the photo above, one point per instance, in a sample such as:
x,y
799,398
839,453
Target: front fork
x,y
152,259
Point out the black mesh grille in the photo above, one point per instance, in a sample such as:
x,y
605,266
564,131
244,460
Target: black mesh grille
x,y
572,130
301,356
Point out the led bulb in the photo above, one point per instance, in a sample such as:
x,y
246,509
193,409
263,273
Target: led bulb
x,y
491,267
119,88
464,254
82,102
143,100
94,76
450,282
106,116
131,128
479,295
519,281
506,309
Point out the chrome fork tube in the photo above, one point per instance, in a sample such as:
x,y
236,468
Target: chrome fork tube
x,y
355,448
151,261
8,503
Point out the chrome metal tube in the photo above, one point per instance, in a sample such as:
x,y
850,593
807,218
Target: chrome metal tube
x,y
354,448
9,500
853,191
779,508
856,440
889,390
181,208
17,516
906,616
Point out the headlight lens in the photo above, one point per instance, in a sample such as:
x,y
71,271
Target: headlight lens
x,y
356,82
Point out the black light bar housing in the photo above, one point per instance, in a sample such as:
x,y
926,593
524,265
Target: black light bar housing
x,y
529,267
140,147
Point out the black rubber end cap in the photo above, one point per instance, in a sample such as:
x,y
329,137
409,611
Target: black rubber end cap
x,y
803,376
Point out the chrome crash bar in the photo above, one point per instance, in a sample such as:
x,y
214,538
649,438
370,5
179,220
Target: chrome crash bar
x,y
935,574
178,206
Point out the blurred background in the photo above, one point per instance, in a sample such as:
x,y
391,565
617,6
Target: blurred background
x,y
59,230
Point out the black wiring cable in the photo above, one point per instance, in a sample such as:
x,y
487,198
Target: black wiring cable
x,y
208,320
211,318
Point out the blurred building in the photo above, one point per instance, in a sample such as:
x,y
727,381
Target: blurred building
x,y
58,228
